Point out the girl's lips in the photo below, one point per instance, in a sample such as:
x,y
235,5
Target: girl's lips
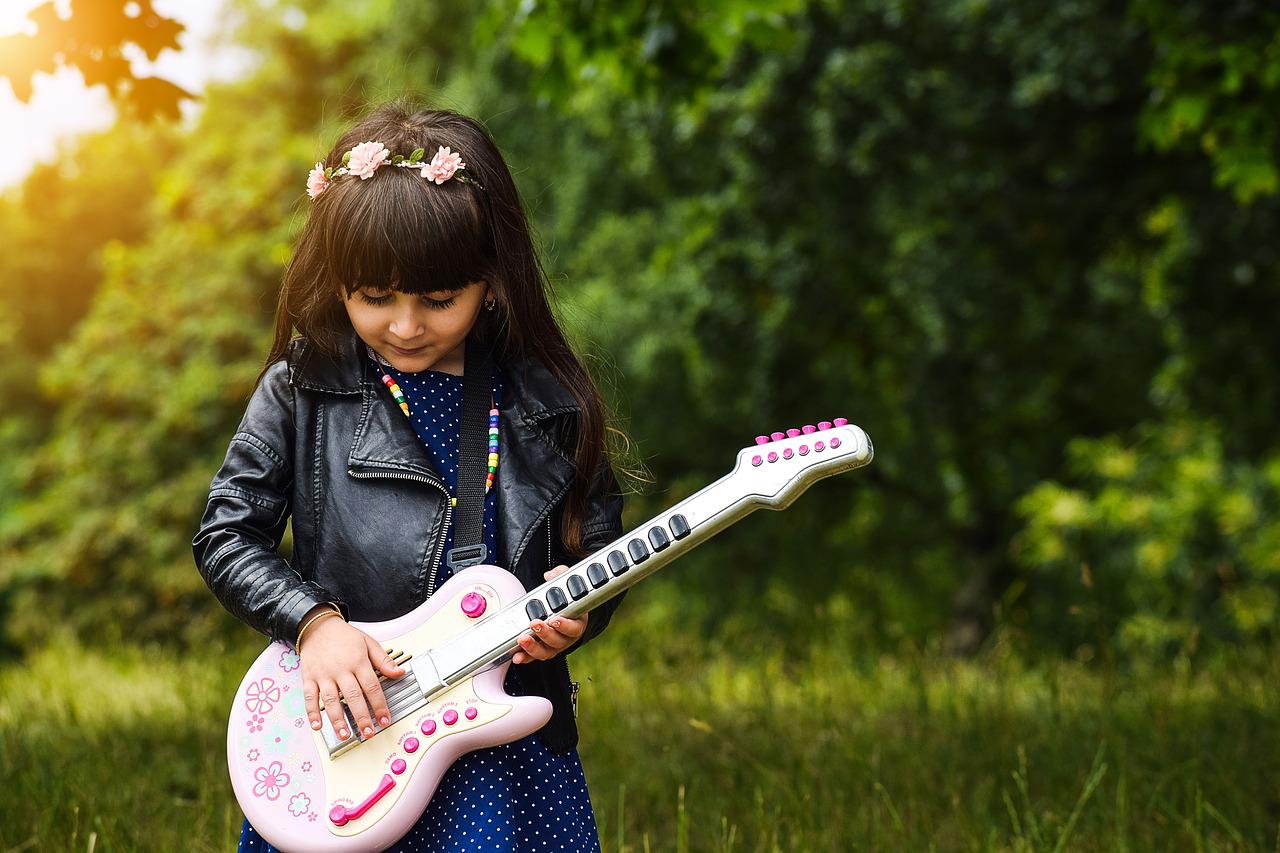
x,y
403,351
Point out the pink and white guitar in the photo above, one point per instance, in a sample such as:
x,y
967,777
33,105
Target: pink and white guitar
x,y
311,791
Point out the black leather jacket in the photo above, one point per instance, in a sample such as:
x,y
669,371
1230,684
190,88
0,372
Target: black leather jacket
x,y
321,440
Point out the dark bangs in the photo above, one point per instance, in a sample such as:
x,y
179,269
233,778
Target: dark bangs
x,y
400,231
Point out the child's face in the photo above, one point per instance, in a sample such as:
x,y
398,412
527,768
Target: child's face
x,y
417,332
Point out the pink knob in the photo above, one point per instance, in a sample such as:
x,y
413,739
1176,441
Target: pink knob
x,y
470,713
824,424
429,727
808,429
756,460
840,421
835,442
804,450
819,446
786,453
773,457
397,766
411,744
450,717
762,439
338,814
473,605
792,433
777,436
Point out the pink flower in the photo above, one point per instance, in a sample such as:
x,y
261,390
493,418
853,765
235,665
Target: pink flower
x,y
316,181
299,805
443,165
366,158
270,780
261,696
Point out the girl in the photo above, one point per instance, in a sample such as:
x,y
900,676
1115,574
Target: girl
x,y
416,252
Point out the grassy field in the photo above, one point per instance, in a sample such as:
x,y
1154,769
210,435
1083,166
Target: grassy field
x,y
689,748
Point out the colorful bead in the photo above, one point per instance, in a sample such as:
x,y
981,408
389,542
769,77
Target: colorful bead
x,y
492,459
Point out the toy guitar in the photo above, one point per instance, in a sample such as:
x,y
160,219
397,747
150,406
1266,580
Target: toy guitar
x,y
307,790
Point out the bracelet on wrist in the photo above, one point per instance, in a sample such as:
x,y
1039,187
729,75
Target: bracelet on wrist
x,y
333,611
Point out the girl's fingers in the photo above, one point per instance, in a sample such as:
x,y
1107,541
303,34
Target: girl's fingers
x,y
355,701
550,573
311,698
558,634
333,707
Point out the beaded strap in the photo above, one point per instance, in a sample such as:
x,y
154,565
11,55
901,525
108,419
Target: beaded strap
x,y
399,397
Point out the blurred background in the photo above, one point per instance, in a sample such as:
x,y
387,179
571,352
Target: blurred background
x,y
1031,248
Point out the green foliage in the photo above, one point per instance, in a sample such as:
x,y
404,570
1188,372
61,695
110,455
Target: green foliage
x,y
1001,237
1161,541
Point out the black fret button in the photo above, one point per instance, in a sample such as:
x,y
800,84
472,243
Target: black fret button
x,y
617,563
556,598
658,538
535,610
638,550
679,527
577,586
597,575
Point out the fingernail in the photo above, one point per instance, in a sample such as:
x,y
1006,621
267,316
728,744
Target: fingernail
x,y
342,733
555,624
368,731
315,724
537,628
384,719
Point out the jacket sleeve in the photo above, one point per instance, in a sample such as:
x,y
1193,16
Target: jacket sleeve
x,y
249,505
602,523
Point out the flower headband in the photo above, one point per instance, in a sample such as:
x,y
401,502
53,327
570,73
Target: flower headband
x,y
365,158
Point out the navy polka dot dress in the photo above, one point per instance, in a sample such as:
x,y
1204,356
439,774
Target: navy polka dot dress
x,y
513,797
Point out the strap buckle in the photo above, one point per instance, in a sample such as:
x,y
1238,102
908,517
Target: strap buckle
x,y
466,555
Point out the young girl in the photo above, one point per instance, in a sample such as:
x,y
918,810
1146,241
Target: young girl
x,y
417,250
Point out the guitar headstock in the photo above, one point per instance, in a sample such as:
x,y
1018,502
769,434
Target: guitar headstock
x,y
781,465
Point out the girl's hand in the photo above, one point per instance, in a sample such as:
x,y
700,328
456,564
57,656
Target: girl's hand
x,y
339,660
551,636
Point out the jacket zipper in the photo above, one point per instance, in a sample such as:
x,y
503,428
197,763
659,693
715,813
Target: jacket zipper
x,y
448,512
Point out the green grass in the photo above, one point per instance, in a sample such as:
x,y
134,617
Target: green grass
x,y
692,748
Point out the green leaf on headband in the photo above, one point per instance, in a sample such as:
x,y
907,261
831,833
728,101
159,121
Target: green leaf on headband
x,y
397,159
416,155
346,158
328,173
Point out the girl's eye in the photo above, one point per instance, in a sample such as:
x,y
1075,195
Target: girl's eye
x,y
434,304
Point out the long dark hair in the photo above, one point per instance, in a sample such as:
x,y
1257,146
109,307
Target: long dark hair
x,y
401,230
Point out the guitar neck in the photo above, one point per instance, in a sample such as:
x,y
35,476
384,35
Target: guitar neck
x,y
753,483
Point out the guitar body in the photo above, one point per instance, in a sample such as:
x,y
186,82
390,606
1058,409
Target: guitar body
x,y
281,770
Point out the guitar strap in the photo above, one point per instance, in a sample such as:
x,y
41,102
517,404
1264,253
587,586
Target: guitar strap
x,y
473,454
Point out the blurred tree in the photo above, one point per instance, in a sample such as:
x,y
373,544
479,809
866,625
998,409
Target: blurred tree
x,y
92,39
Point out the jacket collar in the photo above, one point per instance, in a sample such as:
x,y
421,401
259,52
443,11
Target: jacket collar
x,y
535,471
532,391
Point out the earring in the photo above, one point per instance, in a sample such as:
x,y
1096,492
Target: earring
x,y
490,303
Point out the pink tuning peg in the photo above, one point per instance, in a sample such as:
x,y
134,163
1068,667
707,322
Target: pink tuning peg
x,y
808,429
824,425
840,421
792,433
778,436
762,439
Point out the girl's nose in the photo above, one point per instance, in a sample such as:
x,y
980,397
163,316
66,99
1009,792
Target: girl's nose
x,y
405,322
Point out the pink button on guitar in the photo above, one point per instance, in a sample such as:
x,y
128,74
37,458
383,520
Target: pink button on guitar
x,y
450,717
429,727
473,605
398,766
471,713
411,744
